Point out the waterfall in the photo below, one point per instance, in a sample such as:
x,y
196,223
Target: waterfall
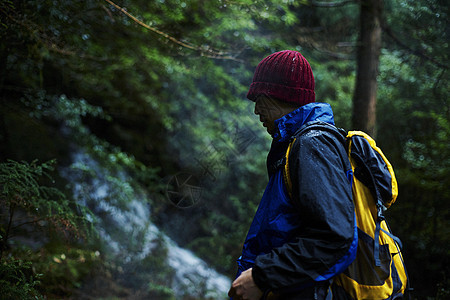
x,y
122,218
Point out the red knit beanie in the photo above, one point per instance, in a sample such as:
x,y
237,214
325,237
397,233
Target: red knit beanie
x,y
286,76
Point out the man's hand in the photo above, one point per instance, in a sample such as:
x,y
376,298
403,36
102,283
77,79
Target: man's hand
x,y
245,288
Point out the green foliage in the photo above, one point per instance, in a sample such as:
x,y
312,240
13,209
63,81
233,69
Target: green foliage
x,y
17,280
148,101
27,202
61,269
68,269
413,128
406,19
338,92
153,274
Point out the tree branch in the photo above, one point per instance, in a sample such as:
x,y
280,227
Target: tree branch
x,y
39,35
418,53
333,4
335,55
210,53
28,222
321,47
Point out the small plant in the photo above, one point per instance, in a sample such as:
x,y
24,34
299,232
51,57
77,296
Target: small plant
x,y
29,208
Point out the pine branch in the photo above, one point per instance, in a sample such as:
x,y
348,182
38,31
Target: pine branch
x,y
210,53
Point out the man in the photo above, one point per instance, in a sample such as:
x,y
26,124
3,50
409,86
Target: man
x,y
304,231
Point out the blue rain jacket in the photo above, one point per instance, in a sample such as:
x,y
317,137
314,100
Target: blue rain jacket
x,y
297,243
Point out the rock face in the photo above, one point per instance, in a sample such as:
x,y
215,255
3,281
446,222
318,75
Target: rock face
x,y
142,255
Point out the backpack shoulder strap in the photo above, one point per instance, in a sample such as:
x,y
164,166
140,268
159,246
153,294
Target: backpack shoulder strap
x,y
314,125
318,125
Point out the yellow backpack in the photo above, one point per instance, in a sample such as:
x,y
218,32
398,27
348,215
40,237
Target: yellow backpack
x,y
378,272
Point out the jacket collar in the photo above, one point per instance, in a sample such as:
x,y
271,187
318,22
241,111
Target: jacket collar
x,y
288,124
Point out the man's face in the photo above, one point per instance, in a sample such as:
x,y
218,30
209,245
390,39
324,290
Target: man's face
x,y
269,110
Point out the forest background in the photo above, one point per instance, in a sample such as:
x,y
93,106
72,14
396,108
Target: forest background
x,y
154,92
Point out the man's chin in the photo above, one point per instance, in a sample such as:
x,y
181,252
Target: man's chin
x,y
268,129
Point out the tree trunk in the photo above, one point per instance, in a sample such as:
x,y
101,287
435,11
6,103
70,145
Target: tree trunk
x,y
364,98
